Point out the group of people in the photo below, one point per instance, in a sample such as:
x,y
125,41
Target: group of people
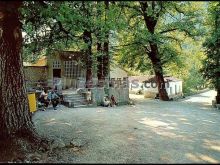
x,y
52,97
49,97
109,102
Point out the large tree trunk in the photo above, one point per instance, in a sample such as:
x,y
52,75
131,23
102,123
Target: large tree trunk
x,y
218,97
106,61
103,60
87,37
150,22
100,74
158,70
15,117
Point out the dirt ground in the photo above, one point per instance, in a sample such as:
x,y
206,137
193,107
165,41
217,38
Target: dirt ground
x,y
151,131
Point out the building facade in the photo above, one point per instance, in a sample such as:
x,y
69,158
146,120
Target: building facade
x,y
147,85
65,69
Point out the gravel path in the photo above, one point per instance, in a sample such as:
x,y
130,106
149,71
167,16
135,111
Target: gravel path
x,y
152,131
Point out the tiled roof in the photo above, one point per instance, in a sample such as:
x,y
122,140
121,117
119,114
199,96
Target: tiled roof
x,y
41,62
65,55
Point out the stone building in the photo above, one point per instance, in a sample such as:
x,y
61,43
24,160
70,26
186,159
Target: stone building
x,y
66,70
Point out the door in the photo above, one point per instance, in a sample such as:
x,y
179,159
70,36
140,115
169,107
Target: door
x,y
57,73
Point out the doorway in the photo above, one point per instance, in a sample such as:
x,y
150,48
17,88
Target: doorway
x,y
57,73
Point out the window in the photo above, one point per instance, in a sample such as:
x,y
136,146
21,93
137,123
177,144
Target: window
x,y
56,65
72,69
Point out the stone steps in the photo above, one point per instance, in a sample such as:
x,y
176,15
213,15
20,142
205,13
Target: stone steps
x,y
74,100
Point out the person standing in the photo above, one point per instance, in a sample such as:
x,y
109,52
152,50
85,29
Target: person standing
x,y
89,96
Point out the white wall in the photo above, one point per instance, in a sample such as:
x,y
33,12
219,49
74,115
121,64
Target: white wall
x,y
174,88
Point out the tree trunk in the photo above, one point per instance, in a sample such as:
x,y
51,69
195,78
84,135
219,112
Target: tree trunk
x,y
106,62
218,97
15,117
87,37
158,70
100,73
100,66
150,22
103,60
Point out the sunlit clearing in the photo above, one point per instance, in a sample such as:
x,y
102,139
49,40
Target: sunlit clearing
x,y
155,123
201,157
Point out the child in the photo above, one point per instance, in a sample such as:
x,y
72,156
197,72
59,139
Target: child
x,y
89,96
113,101
106,102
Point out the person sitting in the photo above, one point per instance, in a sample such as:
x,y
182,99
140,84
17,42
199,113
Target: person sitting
x,y
113,101
43,98
53,98
106,102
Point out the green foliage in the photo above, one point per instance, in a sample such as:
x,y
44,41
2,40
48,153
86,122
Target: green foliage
x,y
176,21
50,25
211,64
188,69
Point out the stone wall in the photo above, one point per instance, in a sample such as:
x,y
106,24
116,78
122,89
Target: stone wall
x,y
121,94
97,95
33,74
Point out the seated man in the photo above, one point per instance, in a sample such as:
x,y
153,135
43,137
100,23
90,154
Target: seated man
x,y
106,102
53,98
43,98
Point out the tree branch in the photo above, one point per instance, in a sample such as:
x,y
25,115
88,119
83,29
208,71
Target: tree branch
x,y
168,30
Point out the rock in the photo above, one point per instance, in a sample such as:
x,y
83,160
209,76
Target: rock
x,y
58,143
35,157
77,142
74,149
